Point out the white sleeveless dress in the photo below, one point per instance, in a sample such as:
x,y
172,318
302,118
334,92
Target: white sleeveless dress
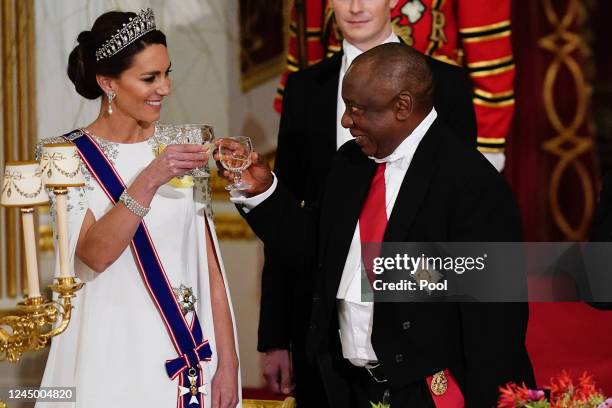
x,y
116,345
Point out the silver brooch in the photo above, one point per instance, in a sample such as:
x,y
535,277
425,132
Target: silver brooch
x,y
185,298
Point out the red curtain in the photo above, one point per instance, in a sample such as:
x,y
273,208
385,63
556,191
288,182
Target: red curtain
x,y
551,163
552,168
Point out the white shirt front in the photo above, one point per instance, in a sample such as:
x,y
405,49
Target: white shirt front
x,y
350,53
355,316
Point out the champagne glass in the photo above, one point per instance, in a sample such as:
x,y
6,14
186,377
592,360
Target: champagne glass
x,y
235,156
197,134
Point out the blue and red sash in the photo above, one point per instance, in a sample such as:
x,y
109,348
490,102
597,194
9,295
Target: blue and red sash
x,y
187,339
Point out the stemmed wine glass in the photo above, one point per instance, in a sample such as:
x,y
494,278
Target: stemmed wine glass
x,y
235,156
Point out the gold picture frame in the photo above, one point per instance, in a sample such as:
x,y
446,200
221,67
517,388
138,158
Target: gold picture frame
x,y
264,26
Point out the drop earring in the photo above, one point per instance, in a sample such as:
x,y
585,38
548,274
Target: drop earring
x,y
110,95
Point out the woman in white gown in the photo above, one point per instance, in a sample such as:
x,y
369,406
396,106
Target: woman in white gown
x,y
118,342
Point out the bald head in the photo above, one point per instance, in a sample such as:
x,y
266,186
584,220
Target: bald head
x,y
393,68
388,91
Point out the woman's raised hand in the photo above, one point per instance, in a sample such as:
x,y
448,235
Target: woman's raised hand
x,y
175,160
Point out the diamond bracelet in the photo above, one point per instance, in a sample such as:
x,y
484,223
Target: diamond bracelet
x,y
133,205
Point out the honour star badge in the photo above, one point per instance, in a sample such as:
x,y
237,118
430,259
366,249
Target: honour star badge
x,y
184,296
422,274
413,10
427,275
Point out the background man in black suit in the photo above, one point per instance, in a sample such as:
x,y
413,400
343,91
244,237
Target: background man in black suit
x,y
437,187
309,135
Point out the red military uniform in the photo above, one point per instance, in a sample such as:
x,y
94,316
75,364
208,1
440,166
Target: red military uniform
x,y
471,33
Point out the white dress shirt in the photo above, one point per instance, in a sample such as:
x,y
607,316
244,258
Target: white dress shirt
x,y
355,316
350,53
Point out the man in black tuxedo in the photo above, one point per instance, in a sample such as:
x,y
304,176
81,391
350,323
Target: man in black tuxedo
x,y
436,187
309,135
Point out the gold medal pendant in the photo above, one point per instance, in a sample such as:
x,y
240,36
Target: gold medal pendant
x,y
439,384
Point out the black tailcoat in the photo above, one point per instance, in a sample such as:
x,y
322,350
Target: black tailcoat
x,y
450,194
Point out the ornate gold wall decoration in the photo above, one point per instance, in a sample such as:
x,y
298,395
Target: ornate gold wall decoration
x,y
568,144
18,120
289,402
231,227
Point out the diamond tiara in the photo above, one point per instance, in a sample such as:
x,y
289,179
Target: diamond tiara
x,y
130,32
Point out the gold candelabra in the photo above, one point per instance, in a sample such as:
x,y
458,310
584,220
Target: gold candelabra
x,y
38,319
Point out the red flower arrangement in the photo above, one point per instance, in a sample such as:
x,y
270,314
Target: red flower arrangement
x,y
564,393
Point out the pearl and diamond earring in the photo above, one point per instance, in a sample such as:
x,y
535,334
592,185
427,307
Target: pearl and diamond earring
x,y
110,95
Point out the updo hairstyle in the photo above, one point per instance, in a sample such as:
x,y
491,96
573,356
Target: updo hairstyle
x,y
82,64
